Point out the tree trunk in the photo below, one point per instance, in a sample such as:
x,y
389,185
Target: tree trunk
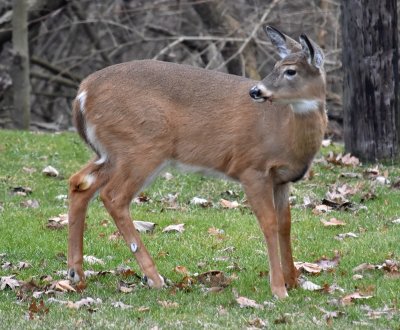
x,y
20,66
370,59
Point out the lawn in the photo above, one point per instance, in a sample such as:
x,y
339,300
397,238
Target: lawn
x,y
359,204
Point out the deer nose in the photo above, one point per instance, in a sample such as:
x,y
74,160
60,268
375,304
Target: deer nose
x,y
255,93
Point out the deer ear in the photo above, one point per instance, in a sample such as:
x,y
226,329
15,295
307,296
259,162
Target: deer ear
x,y
284,44
314,53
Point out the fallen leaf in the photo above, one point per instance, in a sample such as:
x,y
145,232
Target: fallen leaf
x,y
374,314
381,180
357,277
363,267
215,231
200,201
8,282
214,278
327,264
58,222
168,304
29,170
167,176
258,323
333,222
141,199
246,302
342,236
84,302
23,265
309,286
40,309
350,298
144,226
143,309
326,143
50,171
351,175
178,228
121,305
21,191
171,200
30,203
228,204
320,209
181,270
308,267
350,160
62,286
91,260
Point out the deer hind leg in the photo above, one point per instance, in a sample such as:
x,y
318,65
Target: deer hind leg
x,y
82,187
117,196
281,195
259,191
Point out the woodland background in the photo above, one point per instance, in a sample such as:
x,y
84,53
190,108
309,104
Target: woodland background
x,y
70,39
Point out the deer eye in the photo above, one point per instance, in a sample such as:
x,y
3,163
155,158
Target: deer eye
x,y
290,72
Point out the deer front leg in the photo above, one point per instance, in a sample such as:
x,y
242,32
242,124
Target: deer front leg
x,y
281,197
259,191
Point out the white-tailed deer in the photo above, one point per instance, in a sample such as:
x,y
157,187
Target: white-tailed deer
x,y
140,115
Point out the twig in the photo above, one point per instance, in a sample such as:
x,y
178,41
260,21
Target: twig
x,y
252,34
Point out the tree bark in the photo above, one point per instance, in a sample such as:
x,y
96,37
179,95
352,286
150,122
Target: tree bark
x,y
370,57
20,66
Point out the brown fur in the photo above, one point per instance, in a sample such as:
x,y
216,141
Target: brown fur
x,y
147,112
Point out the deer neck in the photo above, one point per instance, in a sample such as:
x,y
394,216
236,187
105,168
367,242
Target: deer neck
x,y
309,124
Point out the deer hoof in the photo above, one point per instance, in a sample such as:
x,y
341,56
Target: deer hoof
x,y
280,293
153,284
74,276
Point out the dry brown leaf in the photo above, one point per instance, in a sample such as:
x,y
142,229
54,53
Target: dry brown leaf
x,y
144,226
29,170
30,203
58,222
200,201
308,267
321,209
50,171
143,309
246,302
228,204
21,191
62,286
92,260
258,323
326,143
23,265
308,285
215,231
84,302
178,228
327,264
168,304
350,298
121,305
363,267
40,309
333,222
181,270
214,278
342,236
350,160
8,282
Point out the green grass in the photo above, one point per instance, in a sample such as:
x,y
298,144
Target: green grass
x,y
25,237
